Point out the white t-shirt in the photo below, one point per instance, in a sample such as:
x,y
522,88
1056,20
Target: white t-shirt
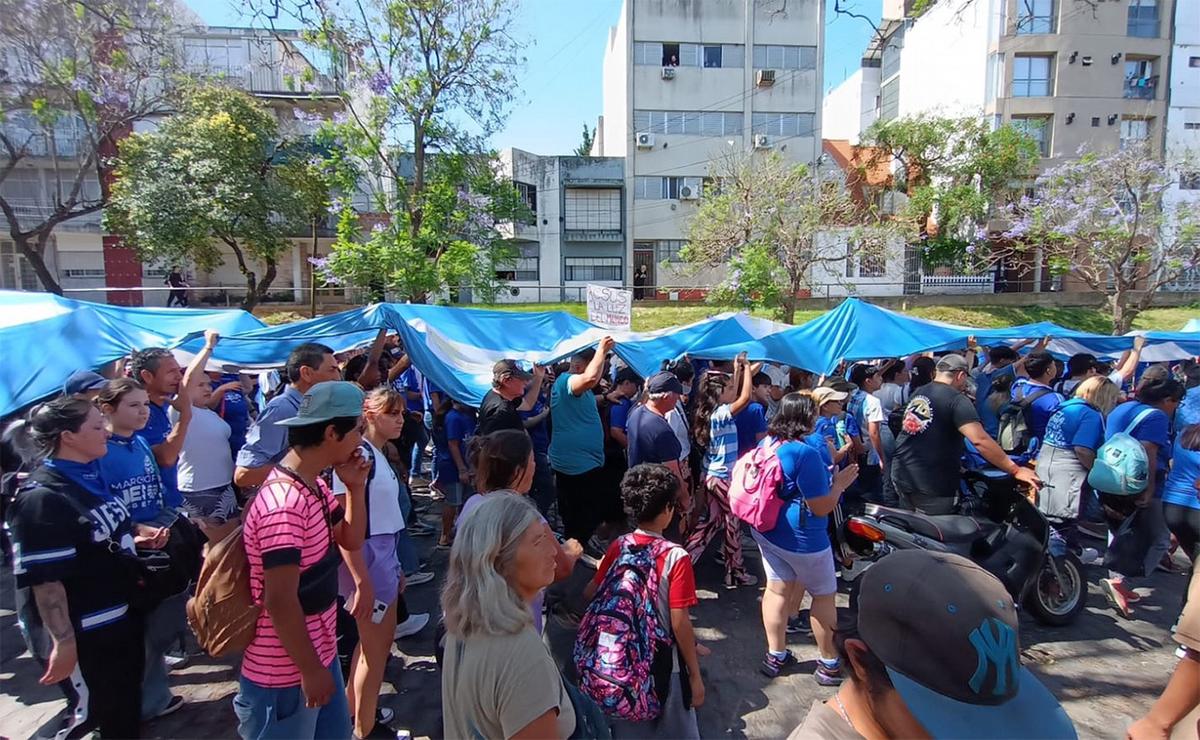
x,y
891,396
872,411
383,496
205,460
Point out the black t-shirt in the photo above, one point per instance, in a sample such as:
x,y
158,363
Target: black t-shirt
x,y
925,467
60,532
651,438
496,413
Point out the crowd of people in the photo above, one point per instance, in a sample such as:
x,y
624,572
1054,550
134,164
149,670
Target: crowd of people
x,y
113,489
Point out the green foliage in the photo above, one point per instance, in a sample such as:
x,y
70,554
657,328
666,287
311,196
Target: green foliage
x,y
212,175
754,281
585,145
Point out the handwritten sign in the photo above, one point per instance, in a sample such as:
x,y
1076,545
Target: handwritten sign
x,y
610,308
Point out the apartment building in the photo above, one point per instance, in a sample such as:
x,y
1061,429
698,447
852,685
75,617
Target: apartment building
x,y
576,230
687,83
1068,72
86,261
1183,119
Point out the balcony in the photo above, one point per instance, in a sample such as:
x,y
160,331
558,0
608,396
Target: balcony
x,y
1141,88
30,212
263,80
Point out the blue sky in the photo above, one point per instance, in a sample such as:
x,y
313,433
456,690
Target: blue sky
x,y
561,87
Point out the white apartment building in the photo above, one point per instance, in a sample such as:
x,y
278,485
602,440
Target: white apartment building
x,y
1183,117
576,231
85,261
687,82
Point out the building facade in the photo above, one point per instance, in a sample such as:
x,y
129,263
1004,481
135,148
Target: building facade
x,y
86,262
1182,146
576,232
689,82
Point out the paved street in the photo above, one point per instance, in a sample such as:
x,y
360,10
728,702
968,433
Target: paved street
x,y
1106,671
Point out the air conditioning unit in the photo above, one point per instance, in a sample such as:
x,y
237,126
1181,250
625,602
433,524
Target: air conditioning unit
x,y
645,141
688,192
762,141
668,73
764,77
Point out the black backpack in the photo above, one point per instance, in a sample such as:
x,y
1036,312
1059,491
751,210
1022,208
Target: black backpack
x,y
1016,423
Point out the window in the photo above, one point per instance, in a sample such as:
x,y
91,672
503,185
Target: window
x,y
592,209
782,124
647,53
690,123
666,188
525,266
1036,128
784,57
15,272
1191,126
85,272
209,56
1032,76
1143,19
1134,132
712,56
864,263
1189,180
529,195
667,250
585,269
1194,62
1035,16
890,63
889,100
1140,80
670,55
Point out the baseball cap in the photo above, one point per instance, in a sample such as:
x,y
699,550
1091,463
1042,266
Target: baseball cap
x,y
664,381
825,394
82,381
952,363
332,399
510,369
946,630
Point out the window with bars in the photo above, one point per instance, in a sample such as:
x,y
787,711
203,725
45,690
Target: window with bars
x,y
529,195
525,267
864,263
1140,80
584,269
667,250
1142,19
1035,16
772,56
592,208
782,124
15,271
1036,128
85,272
1032,76
691,123
1134,132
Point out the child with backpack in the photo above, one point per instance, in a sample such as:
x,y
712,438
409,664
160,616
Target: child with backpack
x,y
635,653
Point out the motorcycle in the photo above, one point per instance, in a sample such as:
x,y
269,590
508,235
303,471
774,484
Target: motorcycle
x,y
1005,534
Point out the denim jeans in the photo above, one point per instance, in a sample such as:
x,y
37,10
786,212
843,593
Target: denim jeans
x,y
264,713
542,492
406,550
163,626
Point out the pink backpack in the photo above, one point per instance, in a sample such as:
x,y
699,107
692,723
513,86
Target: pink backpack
x,y
754,487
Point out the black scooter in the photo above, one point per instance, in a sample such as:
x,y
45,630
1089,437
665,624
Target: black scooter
x,y
1007,536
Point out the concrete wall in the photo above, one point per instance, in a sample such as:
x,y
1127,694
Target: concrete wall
x,y
851,107
615,82
943,64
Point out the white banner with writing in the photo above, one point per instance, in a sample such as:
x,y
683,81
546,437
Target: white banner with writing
x,y
611,308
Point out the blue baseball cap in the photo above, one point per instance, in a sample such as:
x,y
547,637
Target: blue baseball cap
x,y
946,630
82,381
332,399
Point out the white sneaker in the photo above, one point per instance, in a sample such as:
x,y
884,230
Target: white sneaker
x,y
411,626
416,579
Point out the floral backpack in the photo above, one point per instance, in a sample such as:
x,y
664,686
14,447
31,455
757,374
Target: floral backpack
x,y
623,649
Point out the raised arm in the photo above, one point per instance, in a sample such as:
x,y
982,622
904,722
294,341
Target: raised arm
x,y
1129,361
585,381
742,370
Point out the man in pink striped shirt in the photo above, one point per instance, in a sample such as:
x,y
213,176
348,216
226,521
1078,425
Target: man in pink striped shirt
x,y
291,684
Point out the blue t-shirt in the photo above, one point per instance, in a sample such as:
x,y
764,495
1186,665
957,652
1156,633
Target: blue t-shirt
x,y
751,422
1041,409
458,427
805,476
266,441
132,476
155,433
618,414
722,444
820,443
410,382
1075,424
1180,488
1188,412
651,438
1155,428
235,410
577,445
538,433
983,389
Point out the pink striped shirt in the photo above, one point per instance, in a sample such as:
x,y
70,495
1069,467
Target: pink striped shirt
x,y
284,525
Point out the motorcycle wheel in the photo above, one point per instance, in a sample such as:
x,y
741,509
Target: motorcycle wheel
x,y
1058,601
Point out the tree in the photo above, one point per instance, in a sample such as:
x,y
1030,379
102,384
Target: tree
x,y
1101,219
208,176
422,66
75,78
585,145
763,216
955,172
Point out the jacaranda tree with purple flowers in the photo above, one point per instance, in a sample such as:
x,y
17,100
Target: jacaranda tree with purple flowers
x,y
1101,219
431,79
74,78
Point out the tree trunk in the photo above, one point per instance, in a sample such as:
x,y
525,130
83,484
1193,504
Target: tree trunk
x,y
1122,315
312,274
788,314
35,256
256,289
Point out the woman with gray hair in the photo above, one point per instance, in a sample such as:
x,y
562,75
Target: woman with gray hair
x,y
498,679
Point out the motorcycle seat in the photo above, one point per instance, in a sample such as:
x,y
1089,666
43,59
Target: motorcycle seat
x,y
943,528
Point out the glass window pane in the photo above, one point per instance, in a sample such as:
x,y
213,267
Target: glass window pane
x,y
774,57
689,55
808,57
641,121
691,124
733,123
759,56
758,123
711,124
733,56
712,56
805,124
791,57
